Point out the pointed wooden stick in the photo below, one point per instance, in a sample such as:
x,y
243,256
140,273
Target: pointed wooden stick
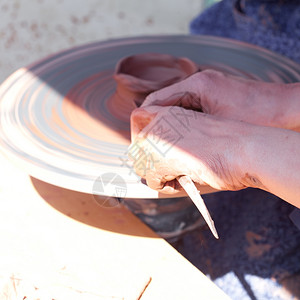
x,y
190,188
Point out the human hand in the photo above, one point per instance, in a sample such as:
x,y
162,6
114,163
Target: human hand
x,y
232,97
169,142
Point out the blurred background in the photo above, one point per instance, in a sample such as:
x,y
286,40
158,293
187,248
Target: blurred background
x,y
33,29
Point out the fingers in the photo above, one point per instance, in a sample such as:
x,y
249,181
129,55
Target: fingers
x,y
177,119
163,186
140,118
171,141
148,147
158,174
191,93
185,93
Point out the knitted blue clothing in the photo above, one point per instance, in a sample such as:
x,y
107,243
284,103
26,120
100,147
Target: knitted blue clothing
x,y
258,254
271,24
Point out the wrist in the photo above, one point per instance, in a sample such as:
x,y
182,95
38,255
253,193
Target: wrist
x,y
248,160
272,163
264,153
289,107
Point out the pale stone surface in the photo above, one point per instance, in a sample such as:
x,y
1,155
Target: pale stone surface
x,y
33,29
60,244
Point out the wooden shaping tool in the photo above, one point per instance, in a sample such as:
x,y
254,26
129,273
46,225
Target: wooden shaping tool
x,y
190,188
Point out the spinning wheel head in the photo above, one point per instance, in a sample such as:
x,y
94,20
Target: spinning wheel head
x,y
59,118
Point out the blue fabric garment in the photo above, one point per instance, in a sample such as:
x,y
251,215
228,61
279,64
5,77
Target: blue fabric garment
x,y
258,254
271,24
295,217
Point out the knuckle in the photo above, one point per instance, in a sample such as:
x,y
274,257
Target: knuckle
x,y
149,99
211,76
207,80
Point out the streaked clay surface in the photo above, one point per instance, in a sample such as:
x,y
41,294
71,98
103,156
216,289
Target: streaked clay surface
x,y
56,120
141,74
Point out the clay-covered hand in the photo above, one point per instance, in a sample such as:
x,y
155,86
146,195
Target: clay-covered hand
x,y
168,142
224,95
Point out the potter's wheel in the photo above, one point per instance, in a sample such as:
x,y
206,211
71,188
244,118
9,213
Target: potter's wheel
x,y
56,122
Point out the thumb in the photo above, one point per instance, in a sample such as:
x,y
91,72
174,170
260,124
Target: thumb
x,y
140,118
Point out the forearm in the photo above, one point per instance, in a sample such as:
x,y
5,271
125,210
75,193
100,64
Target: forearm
x,y
272,162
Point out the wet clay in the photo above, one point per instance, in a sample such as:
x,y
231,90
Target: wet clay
x,y
139,75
